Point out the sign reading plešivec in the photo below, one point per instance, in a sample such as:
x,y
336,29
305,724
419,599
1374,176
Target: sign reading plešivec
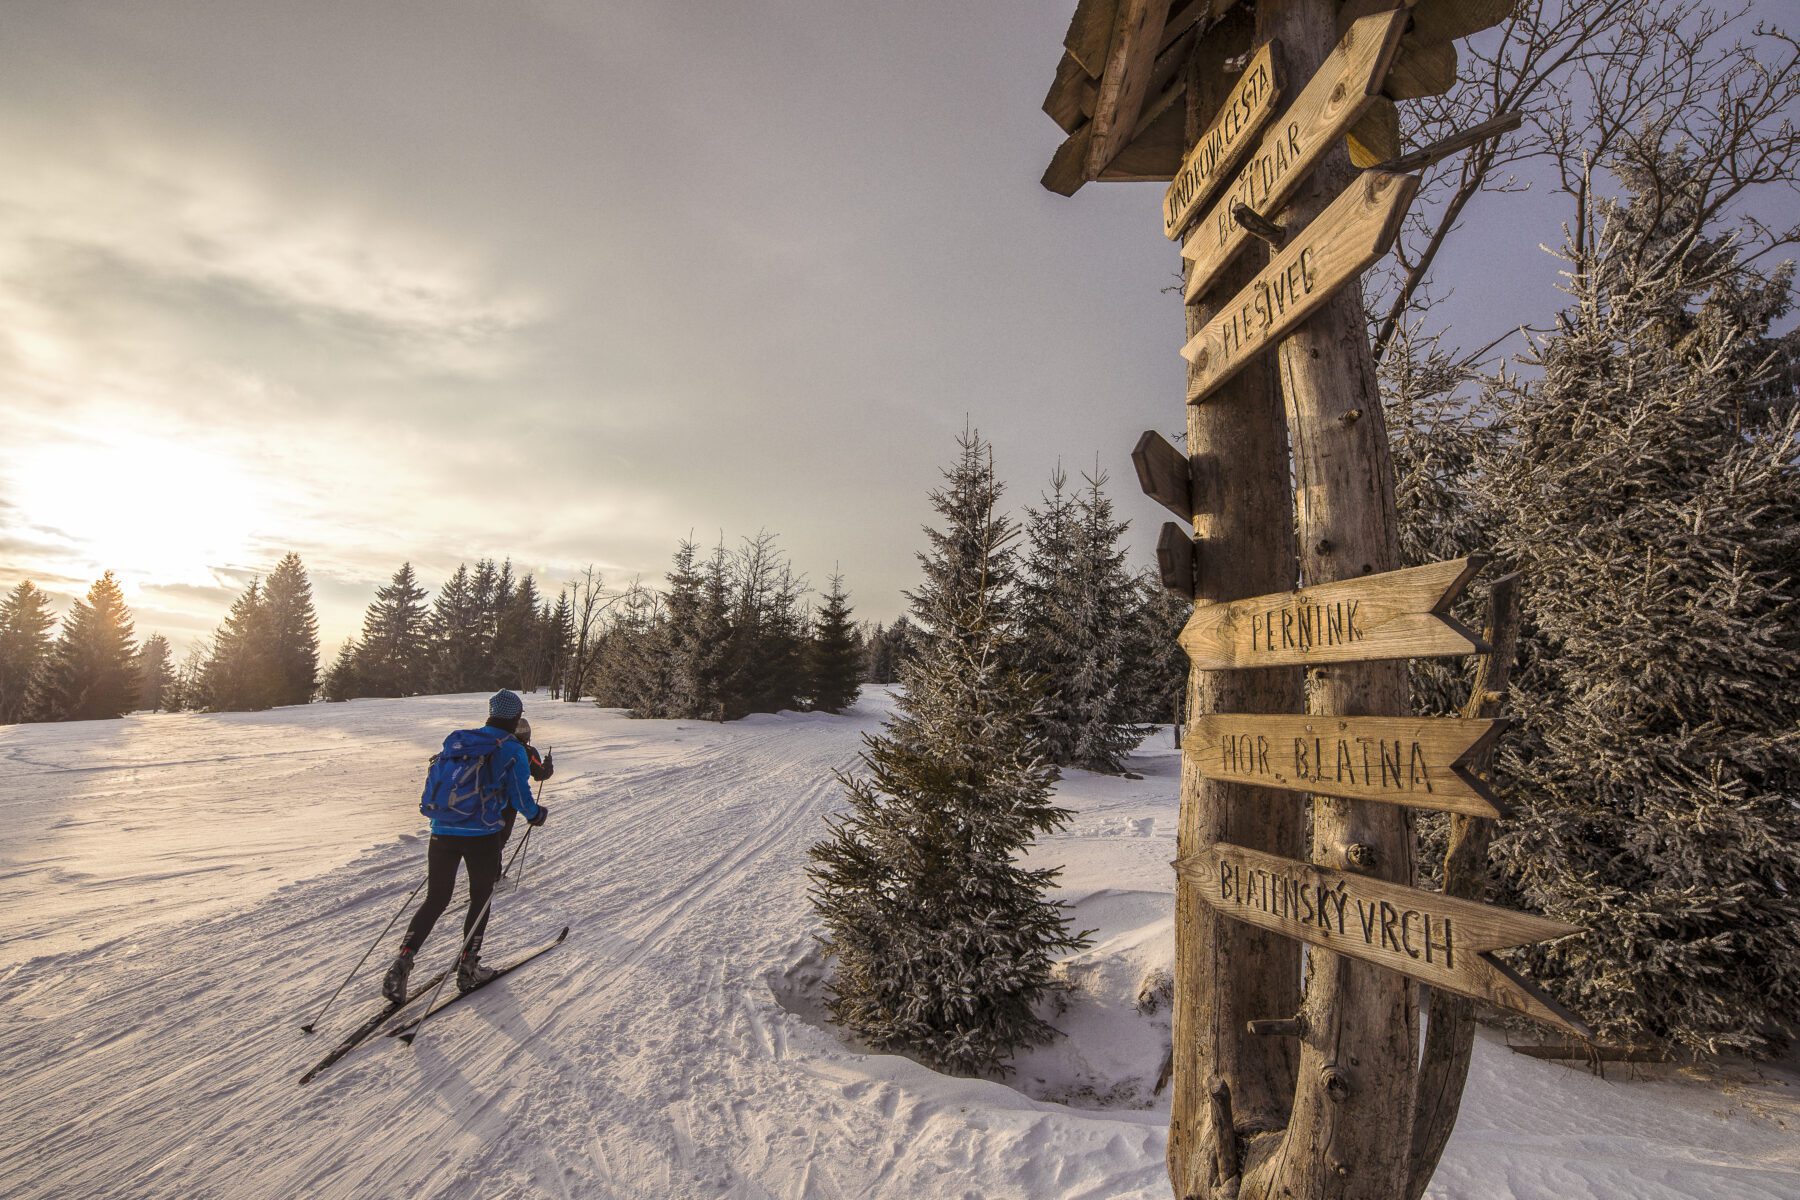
x,y
1353,232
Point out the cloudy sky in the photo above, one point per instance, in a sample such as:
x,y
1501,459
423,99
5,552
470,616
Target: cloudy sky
x,y
564,280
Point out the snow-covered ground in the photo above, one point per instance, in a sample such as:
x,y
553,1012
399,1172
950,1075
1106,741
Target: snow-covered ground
x,y
178,893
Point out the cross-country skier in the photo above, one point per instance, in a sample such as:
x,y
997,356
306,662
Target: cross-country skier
x,y
542,768
467,827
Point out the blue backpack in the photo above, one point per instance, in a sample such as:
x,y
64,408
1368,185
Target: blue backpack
x,y
459,785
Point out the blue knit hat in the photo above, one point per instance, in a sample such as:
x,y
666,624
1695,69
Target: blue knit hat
x,y
505,705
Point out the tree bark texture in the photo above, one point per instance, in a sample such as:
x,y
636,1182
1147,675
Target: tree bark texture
x,y
1228,973
1350,1133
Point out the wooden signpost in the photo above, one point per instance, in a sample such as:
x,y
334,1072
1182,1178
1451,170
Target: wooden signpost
x,y
1334,250
1431,937
1399,614
1224,144
1421,762
1327,107
1361,1111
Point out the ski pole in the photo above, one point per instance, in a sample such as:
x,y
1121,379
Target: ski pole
x,y
310,1025
468,940
519,879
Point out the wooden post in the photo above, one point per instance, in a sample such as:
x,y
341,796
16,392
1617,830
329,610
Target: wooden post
x,y
1228,973
1450,1032
1350,1133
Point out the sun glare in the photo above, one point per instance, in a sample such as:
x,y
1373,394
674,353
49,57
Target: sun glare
x,y
152,510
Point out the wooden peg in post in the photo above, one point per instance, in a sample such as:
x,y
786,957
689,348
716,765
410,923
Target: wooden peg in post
x,y
1259,225
1163,473
1278,1027
1175,554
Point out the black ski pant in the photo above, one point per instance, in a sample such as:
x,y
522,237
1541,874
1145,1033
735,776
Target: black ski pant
x,y
482,854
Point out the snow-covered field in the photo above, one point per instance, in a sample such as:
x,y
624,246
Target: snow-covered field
x,y
178,893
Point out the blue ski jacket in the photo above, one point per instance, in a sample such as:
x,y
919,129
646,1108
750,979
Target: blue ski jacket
x,y
510,776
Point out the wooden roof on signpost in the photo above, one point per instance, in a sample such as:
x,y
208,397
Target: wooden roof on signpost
x,y
1119,90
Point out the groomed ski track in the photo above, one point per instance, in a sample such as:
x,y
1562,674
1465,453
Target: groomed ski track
x,y
647,1057
178,893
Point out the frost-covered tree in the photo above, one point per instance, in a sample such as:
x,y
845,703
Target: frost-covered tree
x,y
1157,667
154,672
888,650
835,653
1644,476
391,654
91,672
942,941
25,624
293,632
1079,604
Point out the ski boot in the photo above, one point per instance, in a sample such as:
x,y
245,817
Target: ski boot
x,y
393,984
470,974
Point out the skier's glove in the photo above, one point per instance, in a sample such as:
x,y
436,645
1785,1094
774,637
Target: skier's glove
x,y
539,819
549,767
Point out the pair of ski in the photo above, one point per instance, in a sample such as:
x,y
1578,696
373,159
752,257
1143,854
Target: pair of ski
x,y
407,1030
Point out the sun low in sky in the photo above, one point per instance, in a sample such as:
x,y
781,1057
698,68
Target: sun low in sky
x,y
376,283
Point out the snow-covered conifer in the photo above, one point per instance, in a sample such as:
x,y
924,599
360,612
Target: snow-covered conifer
x,y
942,941
1077,619
1644,477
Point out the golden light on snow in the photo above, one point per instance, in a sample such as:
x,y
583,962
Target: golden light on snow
x,y
151,509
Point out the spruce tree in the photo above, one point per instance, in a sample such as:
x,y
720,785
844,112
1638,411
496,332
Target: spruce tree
x,y
515,638
293,632
240,675
834,654
392,655
1080,602
341,681
1643,475
457,643
91,673
1157,667
942,942
154,672
25,624
559,636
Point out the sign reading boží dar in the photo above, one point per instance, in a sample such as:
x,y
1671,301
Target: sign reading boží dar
x,y
1331,102
1397,614
1421,762
1431,937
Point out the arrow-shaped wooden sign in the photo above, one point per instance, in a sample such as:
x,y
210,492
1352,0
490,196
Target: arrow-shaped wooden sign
x,y
1398,614
1428,936
1163,473
1421,762
1355,230
1331,102
1225,142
